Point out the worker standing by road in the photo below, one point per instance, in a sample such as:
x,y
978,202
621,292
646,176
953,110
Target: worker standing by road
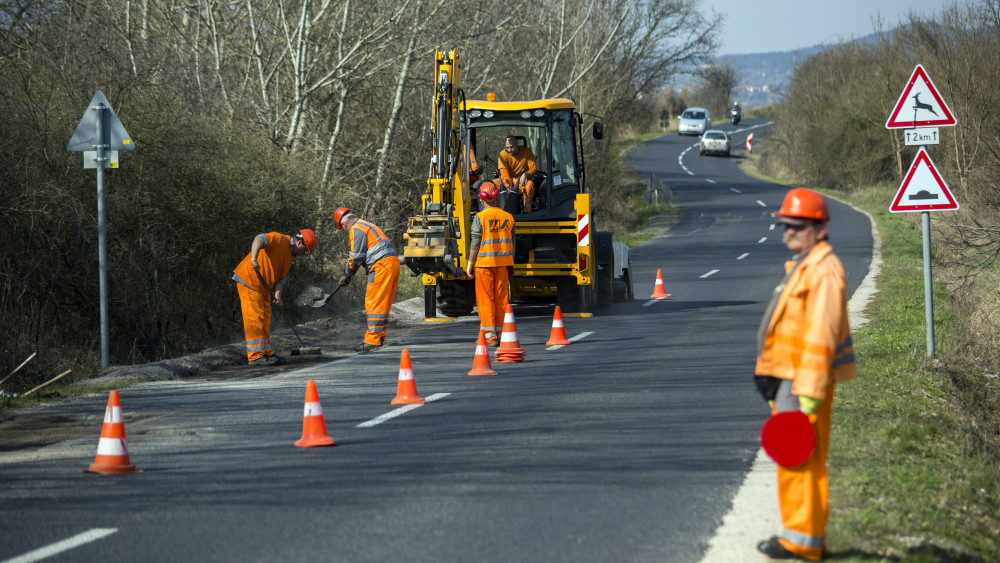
x,y
516,165
262,272
491,260
805,349
371,250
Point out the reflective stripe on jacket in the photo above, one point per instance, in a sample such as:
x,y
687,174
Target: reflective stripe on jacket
x,y
368,245
808,339
496,244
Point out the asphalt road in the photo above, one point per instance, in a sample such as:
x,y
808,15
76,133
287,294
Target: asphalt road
x,y
627,445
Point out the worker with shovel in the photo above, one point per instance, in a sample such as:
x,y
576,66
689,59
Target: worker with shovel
x,y
371,250
260,276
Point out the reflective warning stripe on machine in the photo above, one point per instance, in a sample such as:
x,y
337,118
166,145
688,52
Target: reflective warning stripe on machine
x,y
583,230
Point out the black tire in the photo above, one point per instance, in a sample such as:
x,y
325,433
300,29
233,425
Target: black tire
x,y
456,298
605,268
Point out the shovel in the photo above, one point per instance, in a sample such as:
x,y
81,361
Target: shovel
x,y
321,302
302,350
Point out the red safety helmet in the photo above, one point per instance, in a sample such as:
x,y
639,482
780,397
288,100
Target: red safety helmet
x,y
309,237
338,216
803,203
488,191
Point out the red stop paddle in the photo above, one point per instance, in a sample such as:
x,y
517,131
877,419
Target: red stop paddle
x,y
788,438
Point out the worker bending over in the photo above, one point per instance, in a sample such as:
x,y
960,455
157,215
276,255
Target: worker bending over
x,y
805,348
371,250
261,274
491,260
517,167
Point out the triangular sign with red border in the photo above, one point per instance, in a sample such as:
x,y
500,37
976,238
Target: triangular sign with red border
x,y
923,189
920,105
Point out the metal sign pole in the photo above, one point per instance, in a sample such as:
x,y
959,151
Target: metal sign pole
x,y
925,219
102,235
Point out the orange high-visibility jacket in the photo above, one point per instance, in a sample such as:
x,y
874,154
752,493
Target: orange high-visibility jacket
x,y
368,245
808,339
512,166
495,243
274,259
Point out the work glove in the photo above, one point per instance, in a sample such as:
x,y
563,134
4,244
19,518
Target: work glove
x,y
345,280
809,405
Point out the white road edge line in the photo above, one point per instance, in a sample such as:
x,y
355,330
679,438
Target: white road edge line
x,y
64,545
401,410
761,203
742,256
761,240
652,301
709,274
709,180
580,336
735,190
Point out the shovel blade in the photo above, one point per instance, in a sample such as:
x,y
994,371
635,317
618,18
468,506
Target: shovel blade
x,y
321,302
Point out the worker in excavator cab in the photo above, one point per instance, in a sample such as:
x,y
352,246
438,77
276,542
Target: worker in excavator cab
x,y
259,276
517,166
370,249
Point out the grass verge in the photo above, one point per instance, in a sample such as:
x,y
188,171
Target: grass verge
x,y
909,479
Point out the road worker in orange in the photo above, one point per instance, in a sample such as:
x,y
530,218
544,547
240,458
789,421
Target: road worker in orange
x,y
262,272
491,260
371,250
516,165
805,349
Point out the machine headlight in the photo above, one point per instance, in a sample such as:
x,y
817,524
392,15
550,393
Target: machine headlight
x,y
525,114
488,113
475,113
539,112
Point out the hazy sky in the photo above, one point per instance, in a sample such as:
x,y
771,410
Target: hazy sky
x,y
762,26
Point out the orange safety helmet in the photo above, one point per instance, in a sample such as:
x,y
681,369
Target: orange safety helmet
x,y
309,237
488,191
803,203
338,215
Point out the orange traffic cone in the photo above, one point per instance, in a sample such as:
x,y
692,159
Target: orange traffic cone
x,y
658,291
313,423
557,337
112,449
510,349
406,389
481,363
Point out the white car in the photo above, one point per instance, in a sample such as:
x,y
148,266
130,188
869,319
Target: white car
x,y
714,142
694,121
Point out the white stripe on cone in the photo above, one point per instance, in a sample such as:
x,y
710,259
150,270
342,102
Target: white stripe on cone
x,y
112,446
405,374
113,415
313,409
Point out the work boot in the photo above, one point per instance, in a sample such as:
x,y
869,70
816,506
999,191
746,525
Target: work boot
x,y
268,360
491,339
772,548
366,347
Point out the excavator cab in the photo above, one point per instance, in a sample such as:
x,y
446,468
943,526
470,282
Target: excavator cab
x,y
557,254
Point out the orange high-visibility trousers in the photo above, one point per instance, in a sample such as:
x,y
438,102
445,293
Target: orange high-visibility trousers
x,y
491,298
803,493
256,321
383,277
528,191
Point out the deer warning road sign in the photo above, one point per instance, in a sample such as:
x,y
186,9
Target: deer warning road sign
x,y
920,105
923,189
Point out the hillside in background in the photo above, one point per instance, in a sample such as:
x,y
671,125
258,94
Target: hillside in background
x,y
764,76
